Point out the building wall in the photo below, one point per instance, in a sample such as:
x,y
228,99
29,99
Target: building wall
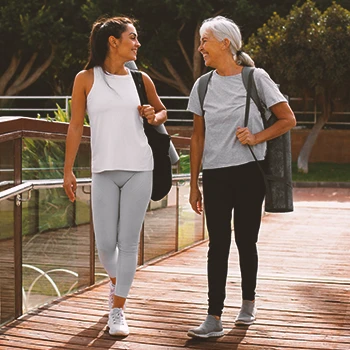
x,y
331,146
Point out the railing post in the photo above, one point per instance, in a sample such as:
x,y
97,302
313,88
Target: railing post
x,y
177,218
67,106
142,245
92,248
18,228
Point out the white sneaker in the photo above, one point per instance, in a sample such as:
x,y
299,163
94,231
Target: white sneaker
x,y
111,295
247,314
117,322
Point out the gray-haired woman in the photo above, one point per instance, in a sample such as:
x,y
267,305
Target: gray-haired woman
x,y
231,179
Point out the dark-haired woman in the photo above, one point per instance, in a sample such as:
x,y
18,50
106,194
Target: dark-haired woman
x,y
122,160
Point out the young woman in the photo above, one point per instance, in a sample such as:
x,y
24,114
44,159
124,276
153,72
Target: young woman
x,y
122,160
231,179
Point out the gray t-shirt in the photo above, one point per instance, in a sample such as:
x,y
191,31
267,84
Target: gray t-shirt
x,y
224,107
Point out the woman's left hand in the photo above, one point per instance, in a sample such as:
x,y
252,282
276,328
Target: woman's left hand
x,y
148,112
245,136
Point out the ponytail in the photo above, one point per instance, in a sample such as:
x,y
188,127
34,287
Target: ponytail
x,y
102,29
222,28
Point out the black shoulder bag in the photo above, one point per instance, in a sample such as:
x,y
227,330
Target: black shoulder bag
x,y
278,160
159,143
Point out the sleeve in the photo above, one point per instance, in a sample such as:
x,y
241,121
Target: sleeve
x,y
193,102
268,91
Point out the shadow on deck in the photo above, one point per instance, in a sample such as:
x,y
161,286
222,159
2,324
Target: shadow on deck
x,y
303,293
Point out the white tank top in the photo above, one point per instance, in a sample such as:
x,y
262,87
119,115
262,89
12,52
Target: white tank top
x,y
118,141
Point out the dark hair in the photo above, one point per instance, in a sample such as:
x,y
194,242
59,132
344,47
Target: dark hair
x,y
102,29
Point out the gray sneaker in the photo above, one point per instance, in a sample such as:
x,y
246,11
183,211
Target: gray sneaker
x,y
247,314
211,327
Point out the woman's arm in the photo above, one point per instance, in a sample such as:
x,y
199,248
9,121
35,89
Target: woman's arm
x,y
286,121
75,130
155,112
196,154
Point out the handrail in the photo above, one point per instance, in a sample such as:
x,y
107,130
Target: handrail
x,y
38,184
29,185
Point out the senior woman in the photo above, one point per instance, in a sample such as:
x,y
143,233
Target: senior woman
x,y
231,179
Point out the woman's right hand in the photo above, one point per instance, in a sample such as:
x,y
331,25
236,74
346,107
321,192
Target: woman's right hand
x,y
70,185
196,200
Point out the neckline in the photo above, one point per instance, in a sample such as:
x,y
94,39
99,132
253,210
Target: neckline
x,y
115,76
227,76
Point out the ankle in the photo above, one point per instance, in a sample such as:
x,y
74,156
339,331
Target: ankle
x,y
216,317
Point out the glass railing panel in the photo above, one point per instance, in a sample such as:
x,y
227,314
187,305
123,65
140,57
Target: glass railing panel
x,y
83,161
7,278
44,159
55,248
190,223
160,227
82,205
6,165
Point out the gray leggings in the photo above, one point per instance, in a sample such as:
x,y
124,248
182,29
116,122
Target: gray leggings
x,y
119,204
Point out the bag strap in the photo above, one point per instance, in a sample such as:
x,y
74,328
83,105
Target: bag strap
x,y
249,82
202,88
254,92
249,85
140,86
141,90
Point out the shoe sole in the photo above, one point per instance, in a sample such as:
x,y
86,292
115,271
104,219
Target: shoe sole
x,y
244,323
118,334
208,335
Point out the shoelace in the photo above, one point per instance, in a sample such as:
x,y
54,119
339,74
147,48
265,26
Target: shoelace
x,y
117,316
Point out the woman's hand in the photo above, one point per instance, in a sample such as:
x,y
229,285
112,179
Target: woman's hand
x,y
70,185
196,200
245,136
148,112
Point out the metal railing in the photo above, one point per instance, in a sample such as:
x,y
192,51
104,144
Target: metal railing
x,y
64,98
22,193
313,112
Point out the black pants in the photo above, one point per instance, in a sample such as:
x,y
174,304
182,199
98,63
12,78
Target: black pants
x,y
240,188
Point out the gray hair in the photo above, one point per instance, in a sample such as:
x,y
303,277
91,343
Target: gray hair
x,y
223,28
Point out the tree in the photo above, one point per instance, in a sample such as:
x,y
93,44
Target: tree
x,y
171,54
30,33
307,52
47,41
169,34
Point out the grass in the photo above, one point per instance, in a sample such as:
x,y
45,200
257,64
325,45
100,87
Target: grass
x,y
323,172
318,172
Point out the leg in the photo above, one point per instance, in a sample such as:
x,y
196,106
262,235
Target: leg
x,y
135,196
247,219
249,196
105,211
218,210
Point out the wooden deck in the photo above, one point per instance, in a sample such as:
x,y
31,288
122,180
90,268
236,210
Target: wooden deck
x,y
303,293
